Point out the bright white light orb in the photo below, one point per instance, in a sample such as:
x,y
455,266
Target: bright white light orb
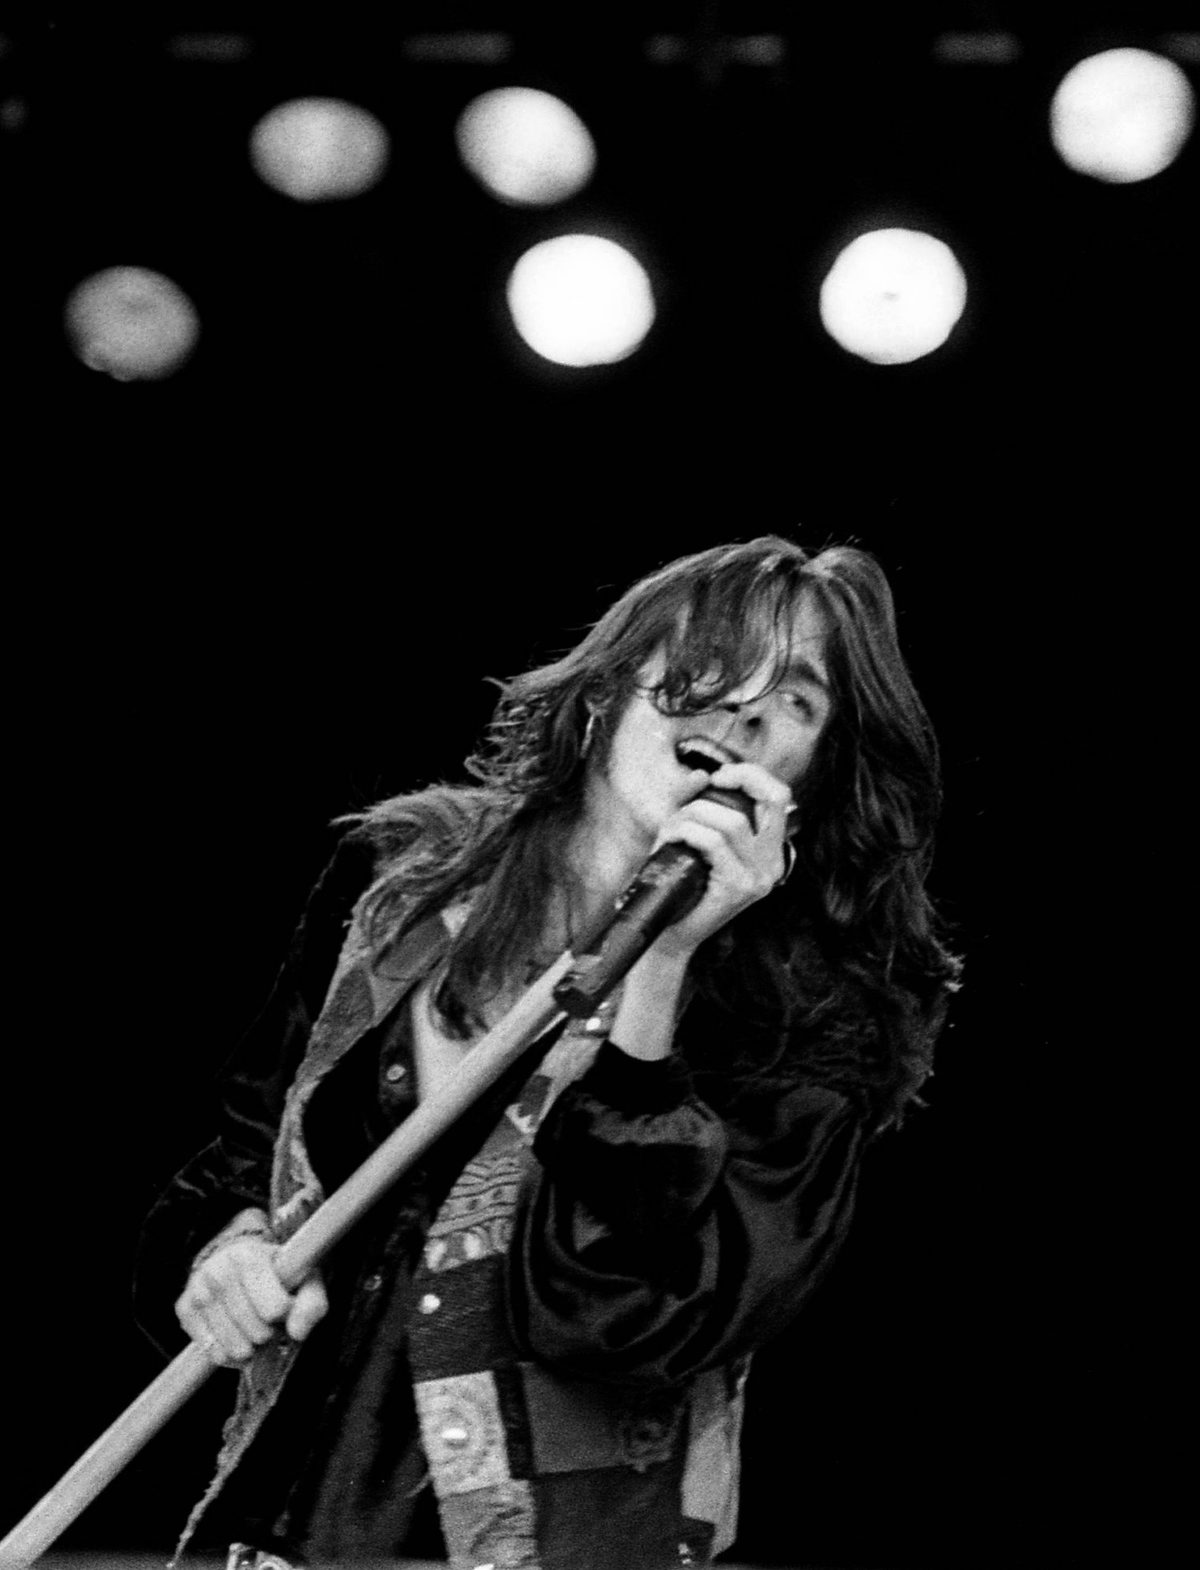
x,y
131,323
581,300
1122,116
893,295
526,147
319,149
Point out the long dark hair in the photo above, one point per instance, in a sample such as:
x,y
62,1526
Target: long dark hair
x,y
849,947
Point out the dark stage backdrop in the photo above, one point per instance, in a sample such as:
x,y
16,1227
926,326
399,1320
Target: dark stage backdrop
x,y
272,588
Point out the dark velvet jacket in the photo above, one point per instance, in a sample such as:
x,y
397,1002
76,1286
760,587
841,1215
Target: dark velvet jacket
x,y
623,1247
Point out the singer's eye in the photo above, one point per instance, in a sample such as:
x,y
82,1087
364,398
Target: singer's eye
x,y
801,704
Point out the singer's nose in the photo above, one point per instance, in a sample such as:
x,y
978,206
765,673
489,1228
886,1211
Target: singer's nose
x,y
743,713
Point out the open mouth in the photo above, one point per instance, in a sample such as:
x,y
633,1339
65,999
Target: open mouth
x,y
697,752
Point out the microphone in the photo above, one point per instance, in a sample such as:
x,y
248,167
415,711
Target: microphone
x,y
671,883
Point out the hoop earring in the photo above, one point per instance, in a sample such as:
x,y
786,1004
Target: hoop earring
x,y
589,733
790,859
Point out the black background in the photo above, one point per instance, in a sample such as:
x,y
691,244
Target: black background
x,y
271,589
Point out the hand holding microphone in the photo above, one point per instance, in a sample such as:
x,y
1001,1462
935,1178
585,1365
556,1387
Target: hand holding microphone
x,y
716,856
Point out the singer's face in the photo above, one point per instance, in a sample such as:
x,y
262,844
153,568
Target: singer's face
x,y
651,768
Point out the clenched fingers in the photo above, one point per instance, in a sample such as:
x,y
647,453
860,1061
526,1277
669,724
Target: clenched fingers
x,y
234,1299
309,1305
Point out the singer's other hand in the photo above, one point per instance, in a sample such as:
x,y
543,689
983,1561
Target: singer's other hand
x,y
744,863
234,1299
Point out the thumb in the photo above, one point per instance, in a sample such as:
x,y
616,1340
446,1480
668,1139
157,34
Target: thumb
x,y
308,1306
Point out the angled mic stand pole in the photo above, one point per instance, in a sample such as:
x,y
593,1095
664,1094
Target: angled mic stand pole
x,y
530,1017
670,884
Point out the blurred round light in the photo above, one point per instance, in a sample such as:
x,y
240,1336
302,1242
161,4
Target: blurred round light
x,y
131,323
581,300
525,147
893,295
1122,115
319,149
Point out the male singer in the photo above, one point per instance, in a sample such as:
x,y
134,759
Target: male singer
x,y
544,1329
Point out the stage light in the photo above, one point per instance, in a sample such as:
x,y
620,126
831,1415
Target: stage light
x,y
893,295
581,300
132,323
1122,116
319,149
525,147
462,48
210,48
982,46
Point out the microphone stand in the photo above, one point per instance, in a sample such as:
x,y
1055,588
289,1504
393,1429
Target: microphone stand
x,y
671,882
534,1013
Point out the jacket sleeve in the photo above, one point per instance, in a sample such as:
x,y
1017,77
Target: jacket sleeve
x,y
658,1239
224,1190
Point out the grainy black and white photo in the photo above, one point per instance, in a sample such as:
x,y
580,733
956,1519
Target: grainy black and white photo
x,y
598,633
